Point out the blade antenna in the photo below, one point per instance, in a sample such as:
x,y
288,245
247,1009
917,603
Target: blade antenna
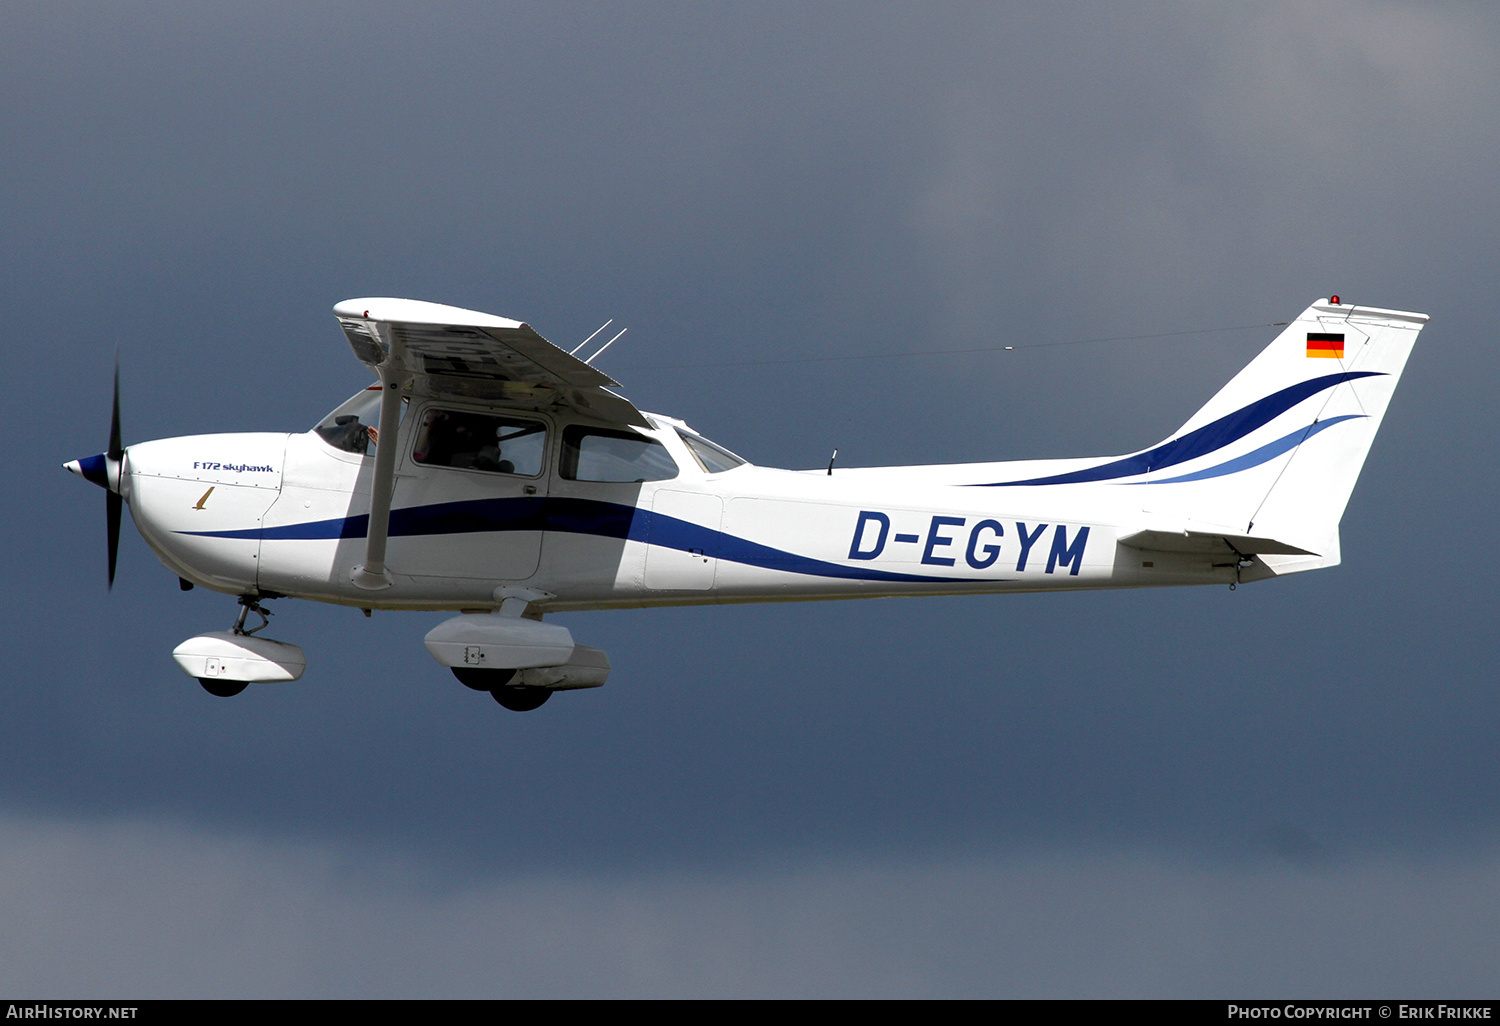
x,y
574,350
606,345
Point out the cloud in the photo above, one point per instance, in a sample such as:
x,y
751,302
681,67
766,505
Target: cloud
x,y
148,910
1224,137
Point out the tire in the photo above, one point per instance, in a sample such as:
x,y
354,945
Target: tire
x,y
482,680
521,699
223,688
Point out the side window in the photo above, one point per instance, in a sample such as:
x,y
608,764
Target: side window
x,y
480,441
599,454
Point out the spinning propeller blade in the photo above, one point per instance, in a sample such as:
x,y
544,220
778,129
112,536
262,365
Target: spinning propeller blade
x,y
105,470
112,516
115,454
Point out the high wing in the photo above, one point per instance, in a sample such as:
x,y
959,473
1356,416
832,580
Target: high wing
x,y
449,351
427,348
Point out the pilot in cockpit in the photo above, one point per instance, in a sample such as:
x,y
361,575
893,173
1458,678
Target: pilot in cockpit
x,y
348,434
488,457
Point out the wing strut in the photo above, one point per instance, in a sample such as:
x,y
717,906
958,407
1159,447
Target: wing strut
x,y
372,574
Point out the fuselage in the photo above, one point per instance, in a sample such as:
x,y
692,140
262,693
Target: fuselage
x,y
550,508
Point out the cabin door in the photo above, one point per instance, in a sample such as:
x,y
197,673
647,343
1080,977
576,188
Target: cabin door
x,y
470,495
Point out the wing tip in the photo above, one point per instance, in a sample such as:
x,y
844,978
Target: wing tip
x,y
417,311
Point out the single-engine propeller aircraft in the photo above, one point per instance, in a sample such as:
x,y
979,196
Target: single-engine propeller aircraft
x,y
490,473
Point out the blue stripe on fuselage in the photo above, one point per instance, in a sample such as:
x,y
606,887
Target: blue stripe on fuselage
x,y
571,516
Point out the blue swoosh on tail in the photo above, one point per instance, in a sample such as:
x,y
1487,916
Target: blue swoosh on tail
x,y
1256,457
1227,430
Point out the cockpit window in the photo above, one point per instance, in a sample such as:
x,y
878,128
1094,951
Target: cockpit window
x,y
481,441
599,454
355,425
714,459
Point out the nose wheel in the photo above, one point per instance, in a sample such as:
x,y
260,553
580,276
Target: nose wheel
x,y
226,662
222,687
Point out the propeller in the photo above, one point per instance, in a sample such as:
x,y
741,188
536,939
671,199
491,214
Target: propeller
x,y
115,455
106,470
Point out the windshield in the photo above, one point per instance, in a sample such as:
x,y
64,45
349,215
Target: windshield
x,y
355,425
714,459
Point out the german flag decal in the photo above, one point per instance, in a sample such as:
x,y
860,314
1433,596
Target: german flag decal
x,y
1325,343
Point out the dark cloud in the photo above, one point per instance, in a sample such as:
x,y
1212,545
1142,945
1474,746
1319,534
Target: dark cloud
x,y
157,911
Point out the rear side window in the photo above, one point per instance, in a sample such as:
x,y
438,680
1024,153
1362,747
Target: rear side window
x,y
599,454
480,441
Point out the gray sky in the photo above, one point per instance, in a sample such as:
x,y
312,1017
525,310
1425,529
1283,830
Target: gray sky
x,y
1287,789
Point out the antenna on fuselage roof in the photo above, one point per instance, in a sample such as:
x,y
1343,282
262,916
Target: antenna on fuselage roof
x,y
574,350
605,346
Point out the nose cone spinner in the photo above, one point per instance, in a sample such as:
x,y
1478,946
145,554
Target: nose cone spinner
x,y
91,468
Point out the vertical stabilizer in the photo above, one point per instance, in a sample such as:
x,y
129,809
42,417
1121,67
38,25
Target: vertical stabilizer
x,y
1276,452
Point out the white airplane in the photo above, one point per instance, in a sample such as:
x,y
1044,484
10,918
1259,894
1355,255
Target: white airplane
x,y
492,473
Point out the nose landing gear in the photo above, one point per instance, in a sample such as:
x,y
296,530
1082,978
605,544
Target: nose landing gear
x,y
225,662
248,605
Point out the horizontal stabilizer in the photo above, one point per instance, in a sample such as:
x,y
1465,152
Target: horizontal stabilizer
x,y
1214,544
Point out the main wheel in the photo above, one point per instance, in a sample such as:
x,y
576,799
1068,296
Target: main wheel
x,y
482,680
223,688
522,699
